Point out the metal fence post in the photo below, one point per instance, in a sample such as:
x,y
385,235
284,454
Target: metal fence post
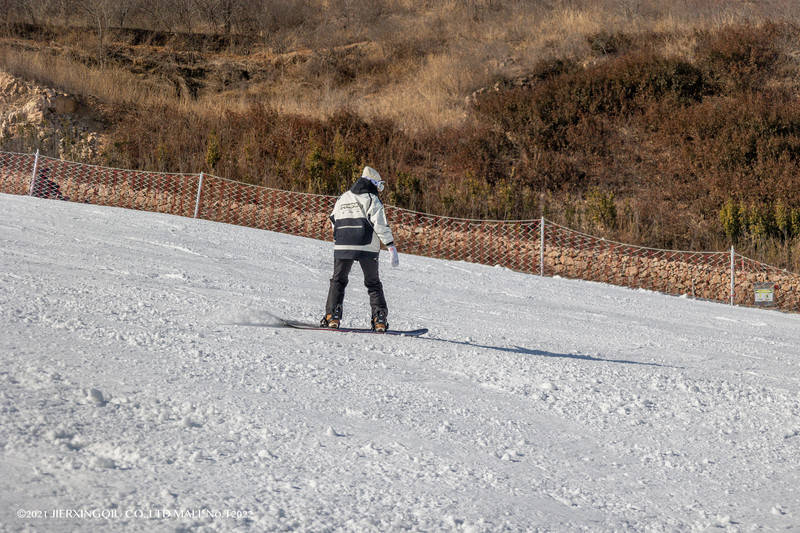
x,y
33,175
199,190
733,273
541,247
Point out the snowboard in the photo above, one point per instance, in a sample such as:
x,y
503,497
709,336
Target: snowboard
x,y
401,333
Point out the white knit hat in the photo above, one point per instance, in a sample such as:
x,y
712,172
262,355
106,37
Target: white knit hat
x,y
372,175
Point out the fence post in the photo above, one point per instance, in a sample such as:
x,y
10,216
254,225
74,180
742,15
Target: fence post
x,y
33,175
199,190
541,247
733,273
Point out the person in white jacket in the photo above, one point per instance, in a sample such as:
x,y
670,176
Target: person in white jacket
x,y
359,227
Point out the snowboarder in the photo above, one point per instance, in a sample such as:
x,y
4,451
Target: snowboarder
x,y
359,228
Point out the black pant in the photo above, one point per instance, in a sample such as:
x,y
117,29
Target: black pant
x,y
341,271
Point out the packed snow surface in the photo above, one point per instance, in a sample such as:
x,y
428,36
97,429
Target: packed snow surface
x,y
145,387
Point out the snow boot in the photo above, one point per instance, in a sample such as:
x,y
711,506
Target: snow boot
x,y
332,320
379,322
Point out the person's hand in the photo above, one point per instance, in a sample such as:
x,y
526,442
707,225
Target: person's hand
x,y
394,257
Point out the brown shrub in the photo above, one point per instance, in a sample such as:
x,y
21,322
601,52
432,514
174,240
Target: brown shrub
x,y
673,139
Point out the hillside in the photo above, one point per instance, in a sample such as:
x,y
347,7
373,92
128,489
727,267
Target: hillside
x,y
144,385
672,125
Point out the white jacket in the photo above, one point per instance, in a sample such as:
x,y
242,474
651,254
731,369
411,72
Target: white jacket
x,y
359,223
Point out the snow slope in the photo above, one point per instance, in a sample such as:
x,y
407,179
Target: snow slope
x,y
130,399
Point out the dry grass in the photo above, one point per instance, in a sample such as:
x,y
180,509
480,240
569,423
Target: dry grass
x,y
422,59
500,156
513,38
109,84
112,85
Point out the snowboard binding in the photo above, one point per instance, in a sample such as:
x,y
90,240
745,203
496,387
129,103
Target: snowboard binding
x,y
332,320
379,322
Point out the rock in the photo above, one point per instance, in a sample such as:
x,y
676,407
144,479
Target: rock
x,y
63,104
29,111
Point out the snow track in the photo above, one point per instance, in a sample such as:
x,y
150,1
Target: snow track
x,y
130,402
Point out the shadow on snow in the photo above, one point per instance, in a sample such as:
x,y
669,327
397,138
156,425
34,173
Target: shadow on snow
x,y
542,353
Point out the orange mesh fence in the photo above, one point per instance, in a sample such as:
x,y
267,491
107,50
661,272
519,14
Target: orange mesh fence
x,y
750,273
16,173
132,189
512,244
532,246
237,203
572,254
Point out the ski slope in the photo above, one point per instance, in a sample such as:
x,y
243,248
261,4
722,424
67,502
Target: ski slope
x,y
142,388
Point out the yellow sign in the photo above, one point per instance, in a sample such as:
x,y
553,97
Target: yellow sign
x,y
764,293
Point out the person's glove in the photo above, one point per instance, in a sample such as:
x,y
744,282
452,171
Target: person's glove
x,y
395,258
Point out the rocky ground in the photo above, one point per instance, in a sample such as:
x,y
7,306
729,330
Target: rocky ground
x,y
32,115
